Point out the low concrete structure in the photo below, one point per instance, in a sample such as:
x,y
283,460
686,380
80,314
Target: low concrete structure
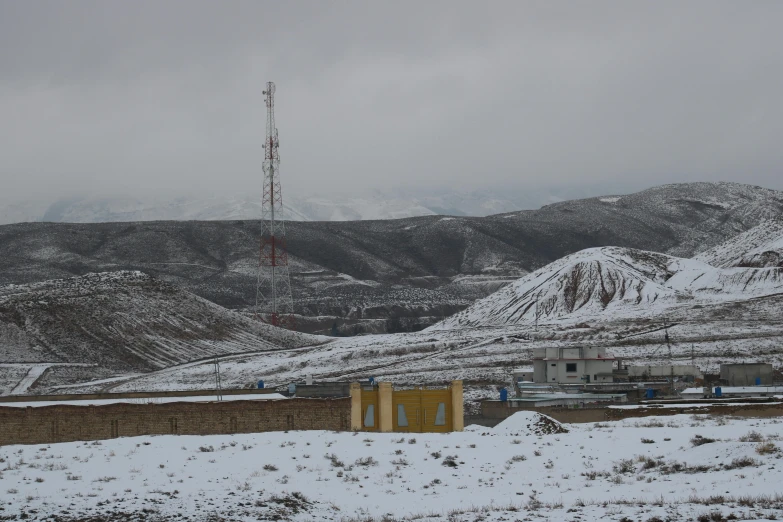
x,y
576,400
746,374
732,392
523,374
572,365
665,371
323,390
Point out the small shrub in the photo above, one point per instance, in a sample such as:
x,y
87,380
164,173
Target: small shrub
x,y
449,462
648,441
270,467
366,461
698,440
39,479
435,454
623,466
411,441
766,448
752,436
741,462
336,463
206,449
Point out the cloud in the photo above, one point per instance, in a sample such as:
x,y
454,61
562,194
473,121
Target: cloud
x,y
165,97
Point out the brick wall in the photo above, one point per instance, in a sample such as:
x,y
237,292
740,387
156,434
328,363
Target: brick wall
x,y
63,423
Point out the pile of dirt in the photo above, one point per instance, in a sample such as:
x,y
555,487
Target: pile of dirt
x,y
530,423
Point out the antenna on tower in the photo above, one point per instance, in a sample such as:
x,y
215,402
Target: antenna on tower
x,y
274,303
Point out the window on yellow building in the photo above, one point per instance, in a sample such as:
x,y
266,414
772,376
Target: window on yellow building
x,y
402,419
369,417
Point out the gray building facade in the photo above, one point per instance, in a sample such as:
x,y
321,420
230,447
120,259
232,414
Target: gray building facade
x,y
746,374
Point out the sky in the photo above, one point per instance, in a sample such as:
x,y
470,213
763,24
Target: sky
x,y
165,97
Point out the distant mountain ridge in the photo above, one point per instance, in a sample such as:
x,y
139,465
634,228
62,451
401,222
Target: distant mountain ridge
x,y
373,205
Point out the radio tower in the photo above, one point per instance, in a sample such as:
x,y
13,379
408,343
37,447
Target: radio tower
x,y
273,291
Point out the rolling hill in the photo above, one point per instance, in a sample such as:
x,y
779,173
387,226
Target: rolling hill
x,y
124,322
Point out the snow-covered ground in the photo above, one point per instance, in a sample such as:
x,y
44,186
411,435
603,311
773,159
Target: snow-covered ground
x,y
528,468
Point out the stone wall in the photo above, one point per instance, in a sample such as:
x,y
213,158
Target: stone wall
x,y
64,423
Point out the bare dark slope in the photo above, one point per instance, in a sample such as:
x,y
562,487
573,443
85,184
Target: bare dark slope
x,y
422,268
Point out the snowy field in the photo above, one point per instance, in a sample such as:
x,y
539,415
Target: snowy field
x,y
528,468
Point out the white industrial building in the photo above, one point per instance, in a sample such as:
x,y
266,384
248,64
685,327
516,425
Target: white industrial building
x,y
573,365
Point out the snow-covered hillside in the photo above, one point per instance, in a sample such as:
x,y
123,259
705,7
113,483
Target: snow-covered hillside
x,y
761,246
612,282
122,321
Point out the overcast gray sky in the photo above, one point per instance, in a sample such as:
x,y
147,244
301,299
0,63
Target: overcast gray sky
x,y
150,97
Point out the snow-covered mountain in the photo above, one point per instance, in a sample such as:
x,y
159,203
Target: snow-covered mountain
x,y
613,282
761,246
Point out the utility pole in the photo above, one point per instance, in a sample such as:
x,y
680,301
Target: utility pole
x,y
274,303
536,305
218,384
671,360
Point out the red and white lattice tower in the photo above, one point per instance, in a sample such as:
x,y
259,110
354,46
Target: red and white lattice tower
x,y
273,291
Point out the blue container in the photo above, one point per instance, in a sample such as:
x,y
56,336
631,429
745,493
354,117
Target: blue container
x,y
758,381
650,393
503,395
718,392
260,385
